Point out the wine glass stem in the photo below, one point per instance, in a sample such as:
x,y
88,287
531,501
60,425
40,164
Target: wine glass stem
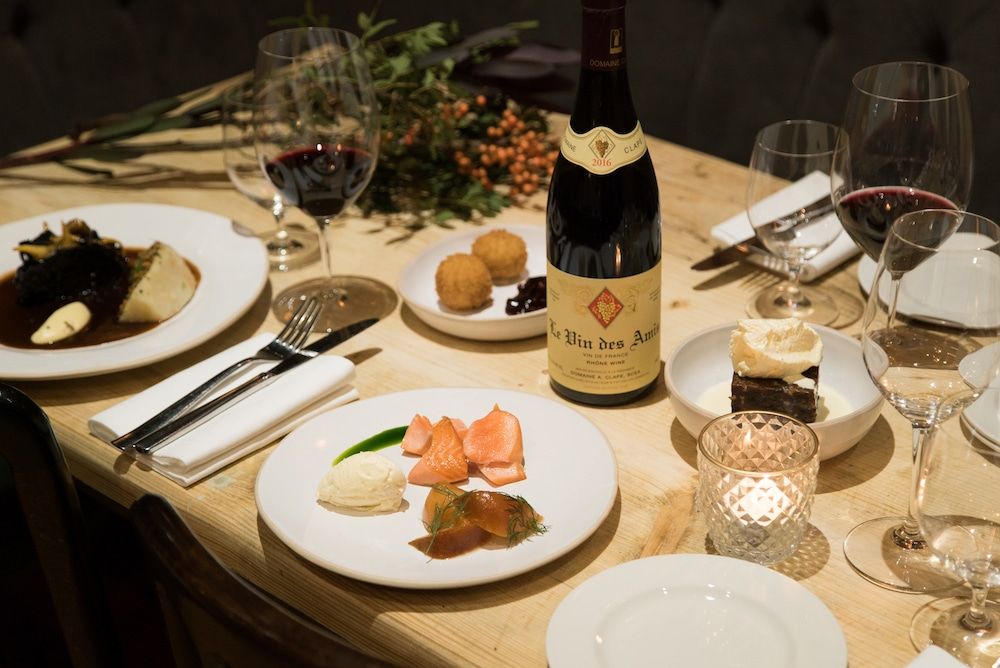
x,y
324,245
792,296
278,211
907,535
976,618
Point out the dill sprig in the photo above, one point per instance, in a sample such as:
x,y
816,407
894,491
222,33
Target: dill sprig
x,y
523,521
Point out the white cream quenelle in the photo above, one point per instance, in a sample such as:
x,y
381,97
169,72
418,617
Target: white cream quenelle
x,y
64,322
780,348
365,481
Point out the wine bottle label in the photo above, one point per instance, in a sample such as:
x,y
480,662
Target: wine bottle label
x,y
602,150
604,333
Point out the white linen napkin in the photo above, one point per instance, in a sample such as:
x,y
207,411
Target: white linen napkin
x,y
800,193
935,657
294,397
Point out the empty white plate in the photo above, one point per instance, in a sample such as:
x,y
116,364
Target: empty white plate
x,y
693,610
940,294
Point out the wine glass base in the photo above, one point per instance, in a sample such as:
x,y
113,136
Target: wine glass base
x,y
346,299
291,247
815,307
940,623
873,553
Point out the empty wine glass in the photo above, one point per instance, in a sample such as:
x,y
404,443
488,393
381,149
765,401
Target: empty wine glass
x,y
319,145
789,166
930,343
909,147
957,505
288,247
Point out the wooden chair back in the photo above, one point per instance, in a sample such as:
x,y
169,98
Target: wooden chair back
x,y
215,618
44,487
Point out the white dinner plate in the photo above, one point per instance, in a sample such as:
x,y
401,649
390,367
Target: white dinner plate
x,y
491,323
233,272
572,482
937,296
693,610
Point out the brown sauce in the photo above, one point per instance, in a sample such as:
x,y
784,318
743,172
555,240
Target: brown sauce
x,y
18,323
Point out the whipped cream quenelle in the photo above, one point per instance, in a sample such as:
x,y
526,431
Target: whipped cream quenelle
x,y
365,481
780,348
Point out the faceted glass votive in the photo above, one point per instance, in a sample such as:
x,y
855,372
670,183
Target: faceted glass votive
x,y
757,478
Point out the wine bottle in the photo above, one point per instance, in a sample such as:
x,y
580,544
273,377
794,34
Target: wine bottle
x,y
603,235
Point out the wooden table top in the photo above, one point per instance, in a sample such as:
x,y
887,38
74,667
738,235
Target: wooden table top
x,y
502,623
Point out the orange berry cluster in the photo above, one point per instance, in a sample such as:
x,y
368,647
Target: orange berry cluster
x,y
517,155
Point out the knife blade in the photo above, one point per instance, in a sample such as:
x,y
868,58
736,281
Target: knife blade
x,y
729,254
184,423
803,217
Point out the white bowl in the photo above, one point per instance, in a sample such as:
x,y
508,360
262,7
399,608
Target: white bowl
x,y
702,361
491,323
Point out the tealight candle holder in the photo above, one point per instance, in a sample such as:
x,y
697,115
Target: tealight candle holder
x,y
758,474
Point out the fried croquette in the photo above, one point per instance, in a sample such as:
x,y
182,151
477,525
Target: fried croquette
x,y
505,254
463,282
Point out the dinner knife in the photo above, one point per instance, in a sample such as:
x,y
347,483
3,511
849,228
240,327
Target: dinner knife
x,y
196,416
803,217
729,254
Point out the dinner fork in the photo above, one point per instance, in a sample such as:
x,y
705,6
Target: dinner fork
x,y
288,342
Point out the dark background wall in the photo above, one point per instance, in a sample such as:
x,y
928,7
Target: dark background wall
x,y
705,73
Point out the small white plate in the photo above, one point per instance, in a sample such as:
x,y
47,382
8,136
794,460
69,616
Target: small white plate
x,y
233,271
693,610
936,294
491,323
572,482
701,362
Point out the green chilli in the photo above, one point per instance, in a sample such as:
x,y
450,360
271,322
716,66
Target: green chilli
x,y
381,440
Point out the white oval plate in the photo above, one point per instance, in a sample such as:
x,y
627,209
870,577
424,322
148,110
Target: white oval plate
x,y
939,293
572,481
233,272
491,323
693,610
702,361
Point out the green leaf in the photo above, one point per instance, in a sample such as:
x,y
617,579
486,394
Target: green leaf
x,y
158,108
377,28
209,105
89,171
400,64
443,216
128,127
170,123
364,22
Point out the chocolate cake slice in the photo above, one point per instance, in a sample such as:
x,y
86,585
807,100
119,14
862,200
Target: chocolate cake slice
x,y
776,395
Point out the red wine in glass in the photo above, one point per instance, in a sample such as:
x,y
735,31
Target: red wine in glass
x,y
866,214
322,179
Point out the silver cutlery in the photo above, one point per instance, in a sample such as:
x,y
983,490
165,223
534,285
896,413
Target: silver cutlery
x,y
737,251
288,342
188,421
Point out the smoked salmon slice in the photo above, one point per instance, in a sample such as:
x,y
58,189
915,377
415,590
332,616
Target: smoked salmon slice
x,y
495,445
444,460
502,474
417,438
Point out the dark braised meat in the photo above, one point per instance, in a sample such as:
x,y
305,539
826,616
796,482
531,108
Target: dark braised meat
x,y
776,396
77,265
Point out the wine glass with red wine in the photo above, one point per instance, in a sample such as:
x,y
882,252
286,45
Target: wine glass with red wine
x,y
931,343
908,129
318,145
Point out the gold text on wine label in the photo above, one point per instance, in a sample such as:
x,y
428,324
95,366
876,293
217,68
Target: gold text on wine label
x,y
616,41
